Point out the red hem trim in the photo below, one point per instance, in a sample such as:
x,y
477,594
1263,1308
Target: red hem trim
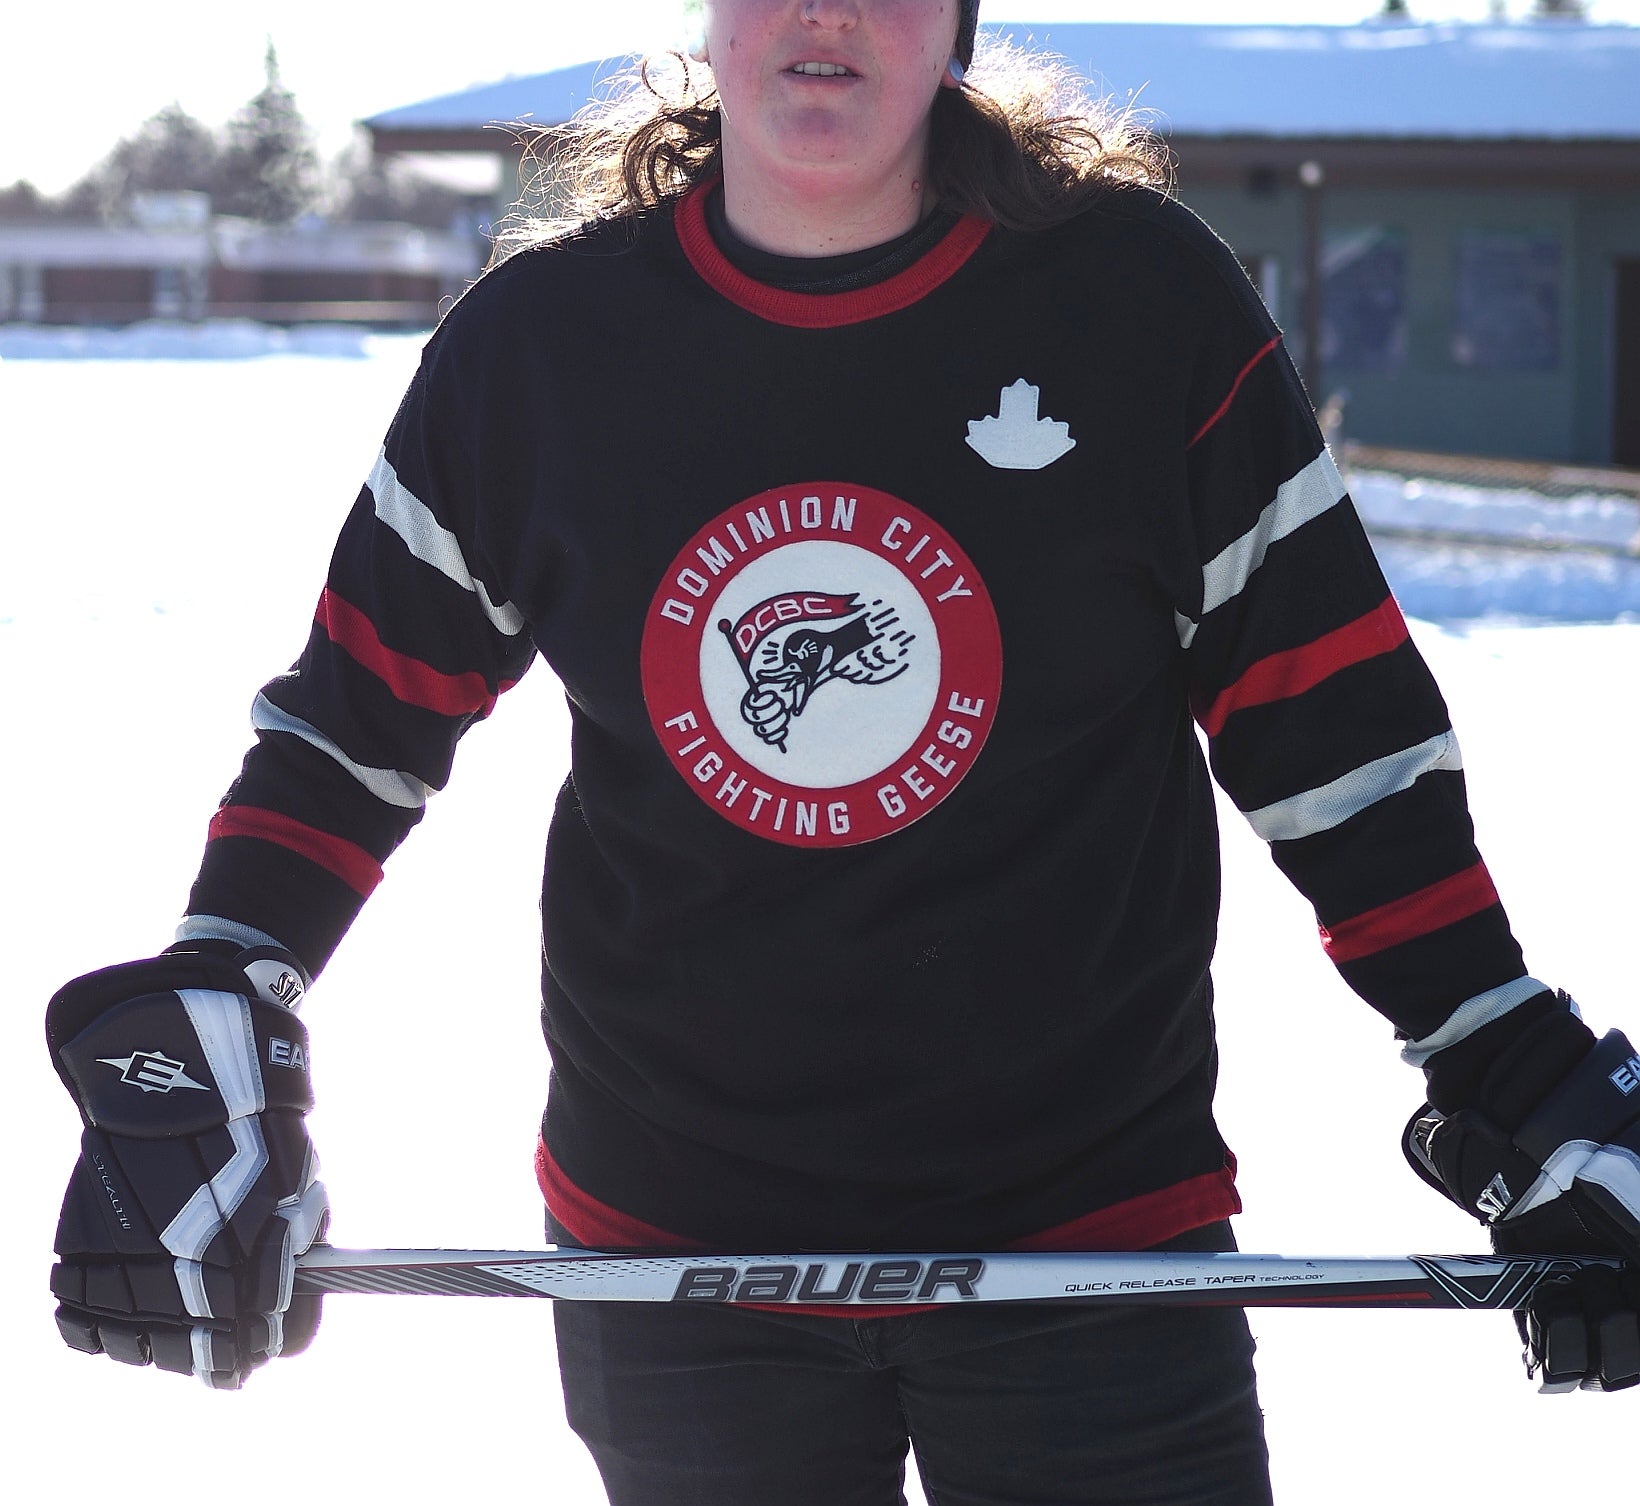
x,y
1418,914
1134,1224
410,680
1235,387
1141,1222
820,310
1281,676
347,861
593,1223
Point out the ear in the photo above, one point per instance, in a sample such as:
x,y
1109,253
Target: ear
x,y
694,30
954,74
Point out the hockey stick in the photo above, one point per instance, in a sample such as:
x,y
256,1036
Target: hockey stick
x,y
1426,1281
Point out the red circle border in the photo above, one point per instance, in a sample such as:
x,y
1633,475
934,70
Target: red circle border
x,y
965,705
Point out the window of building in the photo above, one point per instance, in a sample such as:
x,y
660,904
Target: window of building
x,y
1364,299
167,292
1506,304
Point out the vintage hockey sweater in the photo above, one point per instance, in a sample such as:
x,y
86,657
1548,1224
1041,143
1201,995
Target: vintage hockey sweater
x,y
880,901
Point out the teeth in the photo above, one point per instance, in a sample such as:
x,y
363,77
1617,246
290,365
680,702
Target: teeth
x,y
821,70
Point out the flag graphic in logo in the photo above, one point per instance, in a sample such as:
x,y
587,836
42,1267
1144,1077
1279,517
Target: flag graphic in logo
x,y
152,1071
788,646
822,664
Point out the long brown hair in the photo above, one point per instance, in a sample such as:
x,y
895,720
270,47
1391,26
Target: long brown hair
x,y
1022,142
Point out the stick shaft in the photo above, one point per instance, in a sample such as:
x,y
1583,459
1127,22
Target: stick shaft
x,y
869,1281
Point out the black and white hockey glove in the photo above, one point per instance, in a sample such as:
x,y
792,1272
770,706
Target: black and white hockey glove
x,y
1550,1161
196,1188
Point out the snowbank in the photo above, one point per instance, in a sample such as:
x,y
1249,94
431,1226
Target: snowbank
x,y
174,340
1455,552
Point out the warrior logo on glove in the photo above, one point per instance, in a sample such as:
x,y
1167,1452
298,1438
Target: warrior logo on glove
x,y
822,664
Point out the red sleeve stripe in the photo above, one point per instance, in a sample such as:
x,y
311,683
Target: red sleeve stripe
x,y
1419,914
411,681
1296,670
349,862
1235,387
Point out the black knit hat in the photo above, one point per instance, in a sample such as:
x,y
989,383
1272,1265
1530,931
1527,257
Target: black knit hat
x,y
966,26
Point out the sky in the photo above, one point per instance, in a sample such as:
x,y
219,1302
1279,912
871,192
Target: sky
x,y
76,78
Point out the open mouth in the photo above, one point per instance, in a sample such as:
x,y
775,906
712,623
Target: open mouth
x,y
820,70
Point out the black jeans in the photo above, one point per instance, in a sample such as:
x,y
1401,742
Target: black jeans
x,y
1004,1404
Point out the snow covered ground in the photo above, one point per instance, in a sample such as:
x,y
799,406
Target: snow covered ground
x,y
167,502
1508,553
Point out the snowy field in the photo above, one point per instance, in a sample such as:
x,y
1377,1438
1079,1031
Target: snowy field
x,y
167,509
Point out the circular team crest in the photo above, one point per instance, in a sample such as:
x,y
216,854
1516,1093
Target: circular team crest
x,y
821,664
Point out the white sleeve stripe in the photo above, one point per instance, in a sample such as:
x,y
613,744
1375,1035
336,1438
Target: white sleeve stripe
x,y
1332,804
1470,1016
431,542
391,786
222,1021
218,928
1316,489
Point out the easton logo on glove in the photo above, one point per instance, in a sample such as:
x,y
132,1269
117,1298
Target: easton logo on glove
x,y
152,1071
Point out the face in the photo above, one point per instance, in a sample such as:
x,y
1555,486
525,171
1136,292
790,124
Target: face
x,y
825,96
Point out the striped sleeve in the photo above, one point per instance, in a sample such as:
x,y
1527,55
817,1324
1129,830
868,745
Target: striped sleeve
x,y
1322,721
413,640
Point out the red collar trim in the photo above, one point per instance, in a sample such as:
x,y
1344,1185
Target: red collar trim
x,y
821,310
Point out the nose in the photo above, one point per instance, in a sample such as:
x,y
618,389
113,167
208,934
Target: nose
x,y
831,15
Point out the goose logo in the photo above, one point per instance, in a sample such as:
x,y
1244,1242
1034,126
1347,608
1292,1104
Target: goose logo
x,y
821,664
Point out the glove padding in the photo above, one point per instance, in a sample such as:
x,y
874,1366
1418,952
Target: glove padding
x,y
1564,1181
196,1186
1583,1331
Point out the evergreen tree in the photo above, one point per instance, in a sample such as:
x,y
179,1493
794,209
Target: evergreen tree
x,y
170,151
269,168
23,201
366,187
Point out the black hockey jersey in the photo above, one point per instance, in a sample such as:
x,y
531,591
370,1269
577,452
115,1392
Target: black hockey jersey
x,y
880,901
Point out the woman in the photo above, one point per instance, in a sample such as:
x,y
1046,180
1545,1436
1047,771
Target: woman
x,y
888,475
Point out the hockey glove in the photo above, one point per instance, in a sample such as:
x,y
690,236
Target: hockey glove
x,y
1550,1161
195,1189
